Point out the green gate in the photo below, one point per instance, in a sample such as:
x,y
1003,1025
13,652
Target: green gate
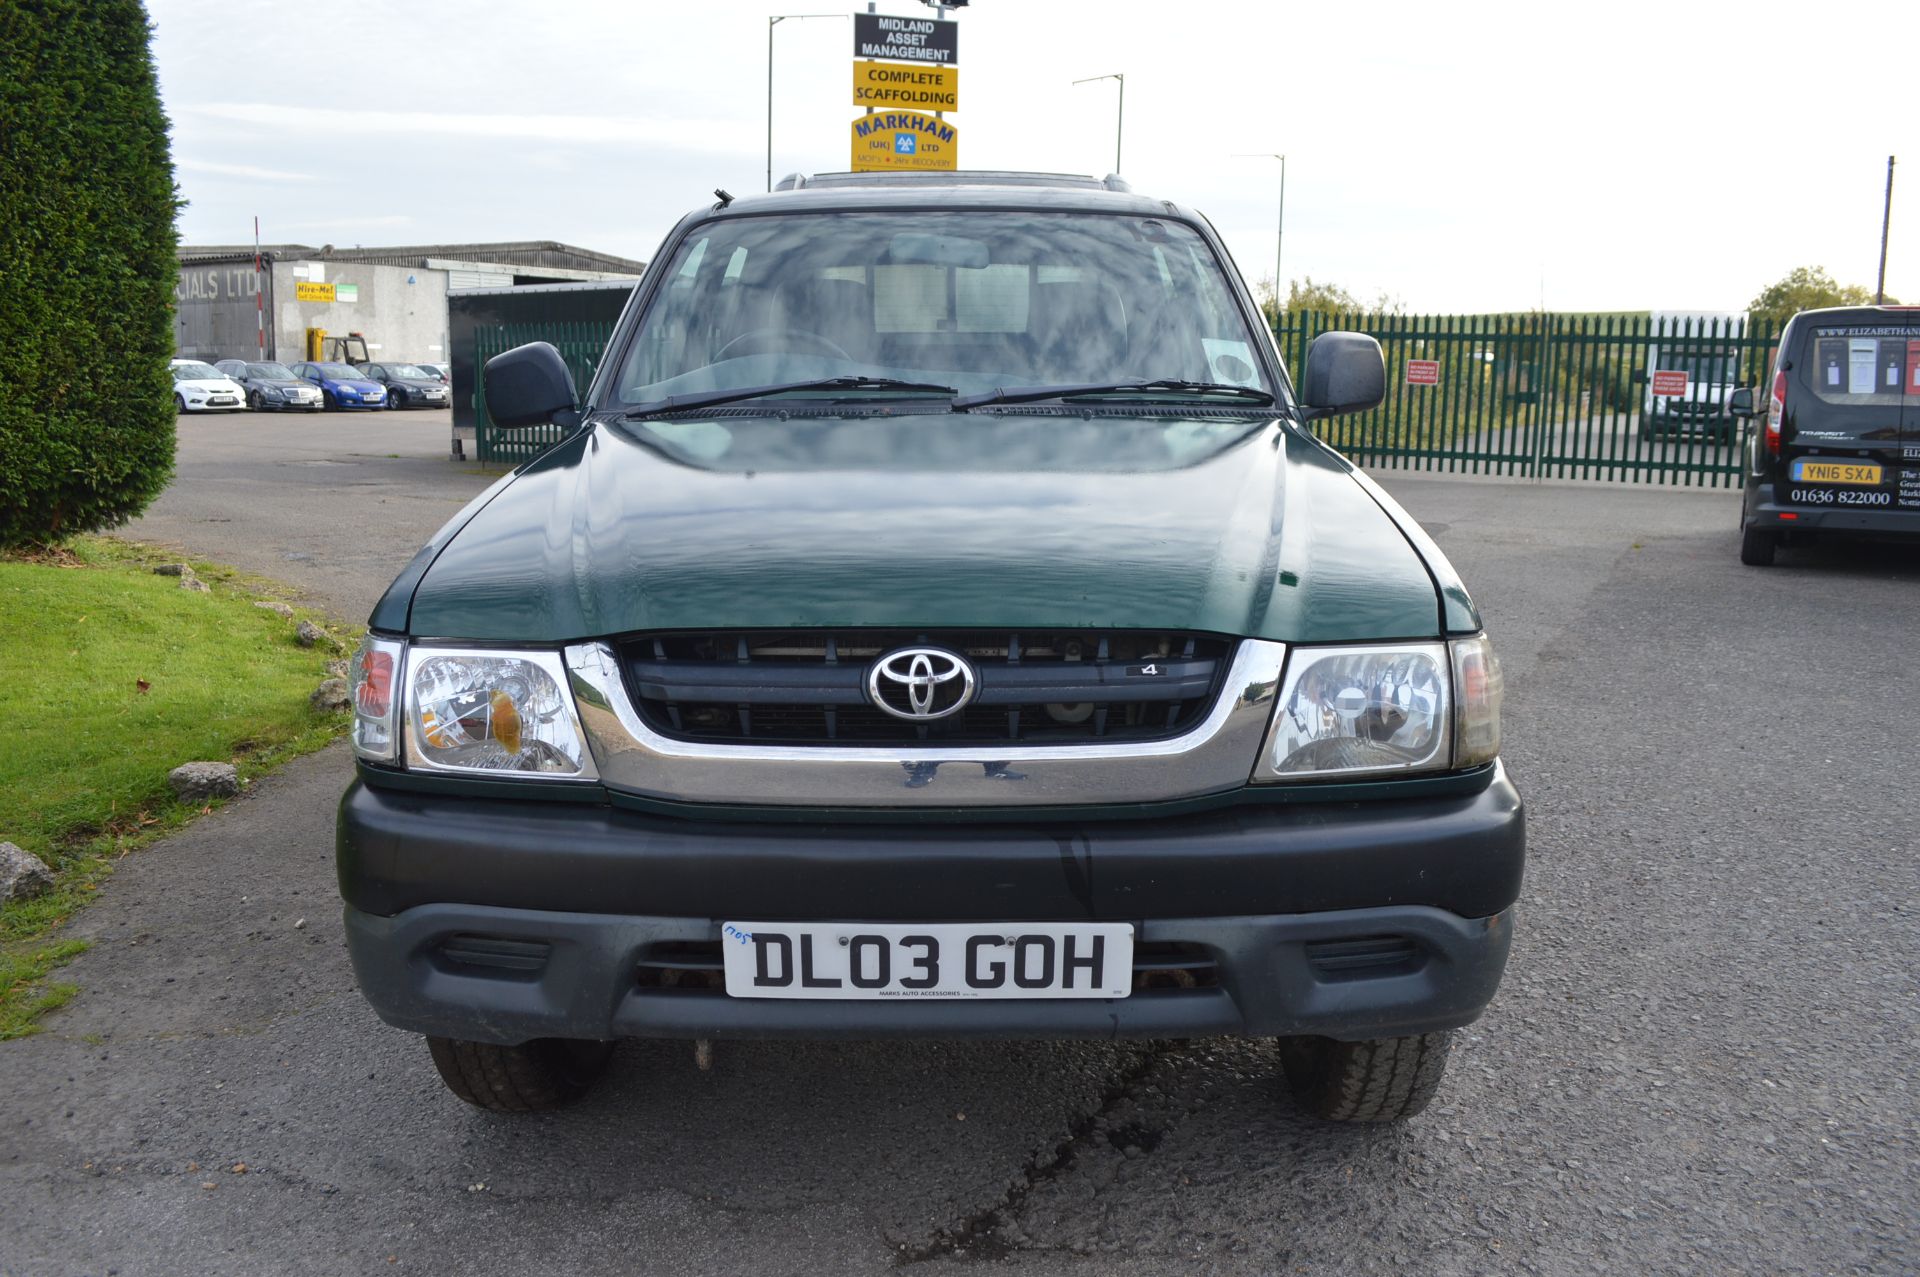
x,y
1550,396
581,344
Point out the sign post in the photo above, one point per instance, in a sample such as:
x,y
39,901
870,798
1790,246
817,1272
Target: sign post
x,y
905,68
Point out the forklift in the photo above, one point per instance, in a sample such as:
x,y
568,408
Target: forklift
x,y
351,349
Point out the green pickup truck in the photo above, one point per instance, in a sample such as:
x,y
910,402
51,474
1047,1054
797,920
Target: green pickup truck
x,y
936,619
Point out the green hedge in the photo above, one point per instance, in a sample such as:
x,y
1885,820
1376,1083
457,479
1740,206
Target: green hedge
x,y
87,267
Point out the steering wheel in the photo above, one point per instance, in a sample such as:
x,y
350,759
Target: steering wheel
x,y
755,340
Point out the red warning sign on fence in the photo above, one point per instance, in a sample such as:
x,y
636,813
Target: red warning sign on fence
x,y
1423,372
1670,384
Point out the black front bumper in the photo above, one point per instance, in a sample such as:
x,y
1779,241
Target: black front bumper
x,y
506,920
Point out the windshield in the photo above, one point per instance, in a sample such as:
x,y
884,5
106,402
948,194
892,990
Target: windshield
x,y
197,372
340,372
974,300
409,370
271,372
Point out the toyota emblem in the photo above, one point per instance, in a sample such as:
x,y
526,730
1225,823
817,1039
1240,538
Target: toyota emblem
x,y
920,684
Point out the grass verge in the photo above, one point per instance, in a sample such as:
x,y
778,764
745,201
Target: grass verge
x,y
111,676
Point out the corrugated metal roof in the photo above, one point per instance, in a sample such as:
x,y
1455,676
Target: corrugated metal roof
x,y
522,289
531,255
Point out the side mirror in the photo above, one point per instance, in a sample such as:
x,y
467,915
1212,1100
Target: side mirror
x,y
528,386
1740,402
1345,373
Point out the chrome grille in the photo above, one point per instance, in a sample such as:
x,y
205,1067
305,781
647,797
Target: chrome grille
x,y
1036,687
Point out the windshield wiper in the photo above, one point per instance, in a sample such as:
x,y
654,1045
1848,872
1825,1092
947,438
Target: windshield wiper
x,y
1027,394
708,398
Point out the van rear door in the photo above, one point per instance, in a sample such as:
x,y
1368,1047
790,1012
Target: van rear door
x,y
1907,493
1848,416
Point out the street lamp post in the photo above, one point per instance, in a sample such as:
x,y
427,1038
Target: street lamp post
x,y
1280,235
774,20
1120,121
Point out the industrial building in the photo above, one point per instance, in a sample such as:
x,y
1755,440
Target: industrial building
x,y
395,298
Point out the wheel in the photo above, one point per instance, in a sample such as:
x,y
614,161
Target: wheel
x,y
179,403
1757,546
1646,430
1383,1080
254,402
327,403
755,342
395,399
545,1073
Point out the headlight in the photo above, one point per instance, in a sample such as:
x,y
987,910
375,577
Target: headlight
x,y
375,685
270,392
493,712
1379,711
1353,710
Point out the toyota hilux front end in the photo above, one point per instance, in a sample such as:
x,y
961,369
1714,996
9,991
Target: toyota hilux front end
x,y
938,622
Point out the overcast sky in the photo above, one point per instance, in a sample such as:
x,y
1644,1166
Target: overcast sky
x,y
1458,156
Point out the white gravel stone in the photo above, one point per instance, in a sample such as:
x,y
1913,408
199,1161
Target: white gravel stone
x,y
23,875
198,782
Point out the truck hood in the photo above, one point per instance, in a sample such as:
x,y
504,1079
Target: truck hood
x,y
1224,525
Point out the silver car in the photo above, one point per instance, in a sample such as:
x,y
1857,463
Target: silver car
x,y
271,386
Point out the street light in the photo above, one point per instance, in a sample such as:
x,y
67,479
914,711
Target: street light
x,y
1280,236
1120,121
774,20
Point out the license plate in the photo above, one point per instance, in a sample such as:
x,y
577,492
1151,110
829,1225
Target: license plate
x,y
1867,475
928,960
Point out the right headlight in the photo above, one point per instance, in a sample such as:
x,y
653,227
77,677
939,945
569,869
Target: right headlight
x,y
1384,710
490,711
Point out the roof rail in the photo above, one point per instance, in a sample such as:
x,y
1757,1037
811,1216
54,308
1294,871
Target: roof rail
x,y
961,177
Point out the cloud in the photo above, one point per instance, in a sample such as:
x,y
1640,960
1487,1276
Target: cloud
x,y
680,133
251,172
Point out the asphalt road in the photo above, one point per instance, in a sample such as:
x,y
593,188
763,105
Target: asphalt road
x,y
1702,1059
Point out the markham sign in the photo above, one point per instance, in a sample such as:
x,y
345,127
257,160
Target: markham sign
x,y
888,84
904,140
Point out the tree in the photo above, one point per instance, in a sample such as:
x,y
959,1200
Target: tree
x,y
1305,295
1805,288
87,267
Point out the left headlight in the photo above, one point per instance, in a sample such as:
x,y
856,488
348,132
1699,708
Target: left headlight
x,y
489,711
1381,711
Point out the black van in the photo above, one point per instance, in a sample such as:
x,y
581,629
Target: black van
x,y
1840,448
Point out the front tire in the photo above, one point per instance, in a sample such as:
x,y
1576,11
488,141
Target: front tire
x,y
395,399
1383,1080
327,402
254,402
180,403
546,1073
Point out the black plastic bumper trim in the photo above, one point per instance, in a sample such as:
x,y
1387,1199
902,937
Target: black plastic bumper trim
x,y
587,989
1464,853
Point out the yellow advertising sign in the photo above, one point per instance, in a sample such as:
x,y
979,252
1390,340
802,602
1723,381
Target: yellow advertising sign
x,y
904,140
889,84
305,291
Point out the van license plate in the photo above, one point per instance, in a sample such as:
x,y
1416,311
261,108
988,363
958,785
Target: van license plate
x,y
1836,472
928,960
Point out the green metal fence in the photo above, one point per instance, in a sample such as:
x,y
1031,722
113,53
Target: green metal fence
x,y
1549,396
580,344
1533,396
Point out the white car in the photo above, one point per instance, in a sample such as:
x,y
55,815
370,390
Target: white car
x,y
200,387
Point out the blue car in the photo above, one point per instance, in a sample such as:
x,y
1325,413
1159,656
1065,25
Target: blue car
x,y
343,386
